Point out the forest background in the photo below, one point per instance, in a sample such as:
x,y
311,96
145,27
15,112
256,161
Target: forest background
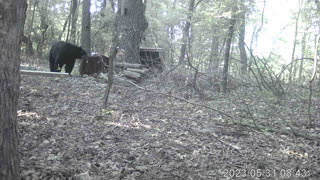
x,y
240,88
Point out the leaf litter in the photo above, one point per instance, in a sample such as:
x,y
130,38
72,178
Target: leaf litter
x,y
65,134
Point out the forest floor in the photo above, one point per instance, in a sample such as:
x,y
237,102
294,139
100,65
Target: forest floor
x,y
65,134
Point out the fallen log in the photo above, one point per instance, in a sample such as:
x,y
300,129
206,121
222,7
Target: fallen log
x,y
117,80
140,71
132,75
129,65
43,73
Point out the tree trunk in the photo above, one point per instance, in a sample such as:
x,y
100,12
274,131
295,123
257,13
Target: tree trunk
x,y
113,53
213,60
29,45
103,8
12,13
186,30
243,54
132,24
64,26
43,25
74,19
113,5
318,5
86,26
294,46
227,51
171,33
303,48
104,4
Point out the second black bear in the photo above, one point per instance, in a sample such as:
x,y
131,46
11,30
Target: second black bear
x,y
63,53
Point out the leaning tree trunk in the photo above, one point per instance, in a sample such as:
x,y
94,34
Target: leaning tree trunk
x,y
132,24
227,52
12,13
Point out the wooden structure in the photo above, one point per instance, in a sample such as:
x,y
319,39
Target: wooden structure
x,y
149,58
152,57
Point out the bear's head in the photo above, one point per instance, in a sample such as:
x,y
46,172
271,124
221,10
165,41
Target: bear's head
x,y
81,53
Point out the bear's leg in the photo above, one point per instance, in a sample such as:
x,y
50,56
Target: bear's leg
x,y
52,69
51,62
69,67
54,65
59,67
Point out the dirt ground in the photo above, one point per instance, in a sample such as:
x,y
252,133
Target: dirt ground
x,y
65,134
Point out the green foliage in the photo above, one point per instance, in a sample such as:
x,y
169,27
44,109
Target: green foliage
x,y
56,15
166,19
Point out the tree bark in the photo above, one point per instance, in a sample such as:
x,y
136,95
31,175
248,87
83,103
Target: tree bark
x,y
186,32
103,8
243,54
43,25
171,33
65,27
303,48
29,45
113,4
85,27
318,5
132,24
227,51
12,13
113,53
291,77
74,19
213,60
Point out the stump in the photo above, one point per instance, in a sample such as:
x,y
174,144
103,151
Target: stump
x,y
94,64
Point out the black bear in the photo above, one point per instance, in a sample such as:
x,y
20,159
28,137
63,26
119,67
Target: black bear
x,y
94,64
63,53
